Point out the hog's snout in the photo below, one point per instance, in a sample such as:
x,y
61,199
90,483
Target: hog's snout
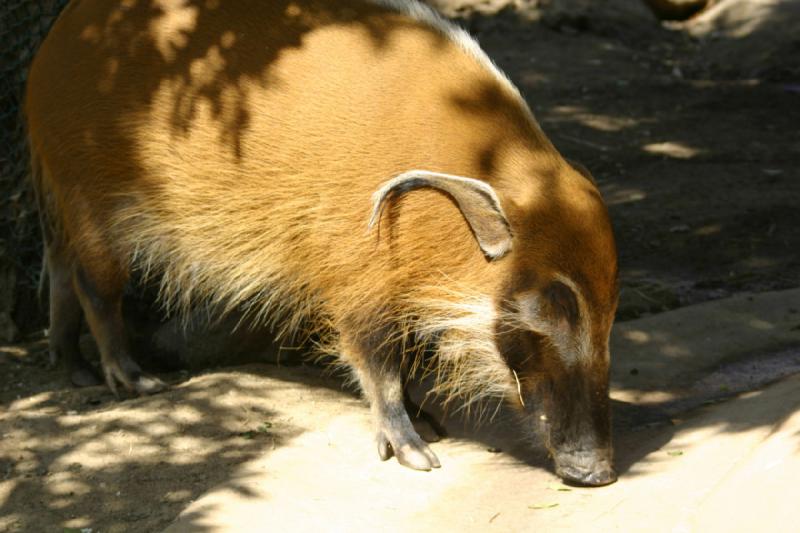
x,y
585,468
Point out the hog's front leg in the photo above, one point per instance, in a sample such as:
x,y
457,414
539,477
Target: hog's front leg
x,y
425,424
381,381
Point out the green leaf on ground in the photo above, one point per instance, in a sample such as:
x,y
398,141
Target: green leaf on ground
x,y
543,506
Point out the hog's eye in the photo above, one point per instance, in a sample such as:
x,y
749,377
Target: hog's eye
x,y
561,302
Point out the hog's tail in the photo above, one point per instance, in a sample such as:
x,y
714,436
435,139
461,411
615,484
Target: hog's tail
x,y
47,221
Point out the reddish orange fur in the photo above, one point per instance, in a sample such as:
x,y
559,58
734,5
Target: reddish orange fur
x,y
231,152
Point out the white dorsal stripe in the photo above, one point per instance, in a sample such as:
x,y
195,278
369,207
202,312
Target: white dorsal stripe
x,y
427,15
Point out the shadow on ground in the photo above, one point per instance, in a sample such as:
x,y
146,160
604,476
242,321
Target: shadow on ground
x,y
81,459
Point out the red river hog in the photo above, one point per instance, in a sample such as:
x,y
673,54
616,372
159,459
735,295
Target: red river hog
x,y
357,169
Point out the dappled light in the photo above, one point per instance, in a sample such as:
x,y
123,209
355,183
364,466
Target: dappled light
x,y
622,195
107,465
675,355
203,64
607,123
672,149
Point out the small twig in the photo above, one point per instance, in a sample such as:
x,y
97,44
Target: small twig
x,y
646,297
585,143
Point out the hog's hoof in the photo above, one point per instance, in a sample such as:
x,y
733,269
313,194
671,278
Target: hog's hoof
x,y
424,423
426,430
133,380
427,427
146,384
84,377
411,452
580,478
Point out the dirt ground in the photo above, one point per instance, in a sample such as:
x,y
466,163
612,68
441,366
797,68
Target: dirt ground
x,y
697,154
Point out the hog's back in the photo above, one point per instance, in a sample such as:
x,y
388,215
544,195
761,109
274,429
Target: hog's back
x,y
236,147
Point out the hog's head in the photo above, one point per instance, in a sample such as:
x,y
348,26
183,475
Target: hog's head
x,y
555,252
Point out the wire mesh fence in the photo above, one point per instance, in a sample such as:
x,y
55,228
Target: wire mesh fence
x,y
23,26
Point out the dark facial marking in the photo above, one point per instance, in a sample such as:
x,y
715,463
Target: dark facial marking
x,y
517,347
562,302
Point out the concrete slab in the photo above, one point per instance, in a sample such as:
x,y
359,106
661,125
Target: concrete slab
x,y
659,357
728,467
731,467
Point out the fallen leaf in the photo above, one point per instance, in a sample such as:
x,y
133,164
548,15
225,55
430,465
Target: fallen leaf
x,y
543,506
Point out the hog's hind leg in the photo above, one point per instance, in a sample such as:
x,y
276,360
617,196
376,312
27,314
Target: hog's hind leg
x,y
65,320
426,425
381,381
100,291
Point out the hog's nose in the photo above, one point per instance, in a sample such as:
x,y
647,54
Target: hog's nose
x,y
587,478
592,478
578,469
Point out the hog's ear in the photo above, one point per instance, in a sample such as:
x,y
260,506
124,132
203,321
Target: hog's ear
x,y
476,199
